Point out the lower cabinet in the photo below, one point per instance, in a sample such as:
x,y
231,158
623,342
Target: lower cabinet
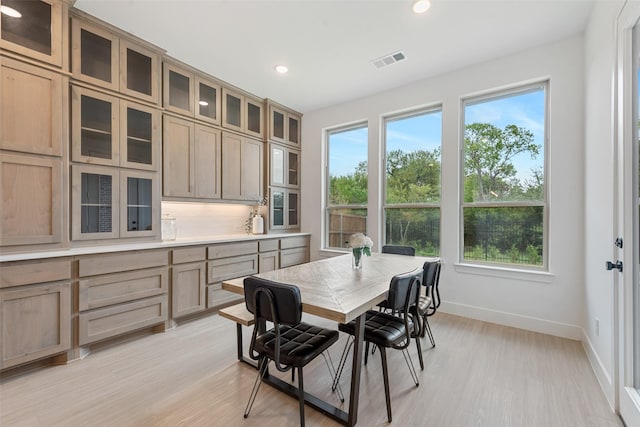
x,y
228,261
188,281
294,250
121,293
35,316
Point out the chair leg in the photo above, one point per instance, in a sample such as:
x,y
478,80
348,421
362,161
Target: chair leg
x,y
427,328
419,346
264,363
342,362
301,395
332,372
385,376
412,369
366,352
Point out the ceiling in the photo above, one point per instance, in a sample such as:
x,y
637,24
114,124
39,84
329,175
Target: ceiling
x,y
329,45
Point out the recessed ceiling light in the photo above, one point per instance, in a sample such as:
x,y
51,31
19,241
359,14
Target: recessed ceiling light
x,y
10,12
421,6
282,69
203,103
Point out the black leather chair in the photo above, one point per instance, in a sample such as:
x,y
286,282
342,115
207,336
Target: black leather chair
x,y
429,302
399,250
387,330
291,343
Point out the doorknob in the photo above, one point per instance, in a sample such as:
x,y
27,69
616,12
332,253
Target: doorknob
x,y
617,265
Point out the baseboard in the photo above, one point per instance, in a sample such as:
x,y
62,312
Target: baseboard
x,y
604,379
514,320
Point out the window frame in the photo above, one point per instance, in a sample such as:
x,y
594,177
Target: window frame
x,y
425,205
496,94
364,124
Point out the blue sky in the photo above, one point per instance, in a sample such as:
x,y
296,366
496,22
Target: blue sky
x,y
422,132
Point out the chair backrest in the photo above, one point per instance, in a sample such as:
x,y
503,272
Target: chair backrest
x,y
404,290
430,281
398,250
285,298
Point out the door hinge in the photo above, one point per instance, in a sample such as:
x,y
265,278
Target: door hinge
x,y
618,242
618,265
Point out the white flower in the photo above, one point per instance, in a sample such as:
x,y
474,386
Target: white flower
x,y
359,240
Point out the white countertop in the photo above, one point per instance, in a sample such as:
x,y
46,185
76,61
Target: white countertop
x,y
136,246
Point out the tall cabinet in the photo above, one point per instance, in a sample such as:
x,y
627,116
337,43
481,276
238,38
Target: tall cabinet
x,y
115,133
284,141
33,124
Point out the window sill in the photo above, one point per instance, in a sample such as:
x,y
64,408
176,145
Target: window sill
x,y
504,272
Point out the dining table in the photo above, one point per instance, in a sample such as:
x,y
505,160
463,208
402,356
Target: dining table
x,y
332,289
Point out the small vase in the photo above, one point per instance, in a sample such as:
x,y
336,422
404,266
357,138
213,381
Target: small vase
x,y
257,225
357,258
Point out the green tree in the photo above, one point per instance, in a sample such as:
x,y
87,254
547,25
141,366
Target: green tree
x,y
488,166
413,177
349,189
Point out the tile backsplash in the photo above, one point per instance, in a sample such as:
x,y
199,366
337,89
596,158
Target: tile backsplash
x,y
207,219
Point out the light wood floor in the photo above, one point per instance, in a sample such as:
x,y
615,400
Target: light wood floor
x,y
480,374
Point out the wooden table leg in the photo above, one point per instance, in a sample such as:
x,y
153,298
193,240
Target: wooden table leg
x,y
355,371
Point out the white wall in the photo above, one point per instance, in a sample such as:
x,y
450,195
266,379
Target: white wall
x,y
600,50
550,303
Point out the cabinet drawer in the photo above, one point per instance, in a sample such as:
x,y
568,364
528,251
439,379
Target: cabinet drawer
x,y
268,245
188,285
216,296
289,257
268,261
21,273
294,242
124,261
184,255
230,268
232,249
112,321
111,289
37,322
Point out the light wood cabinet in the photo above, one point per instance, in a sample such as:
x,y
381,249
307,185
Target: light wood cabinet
x,y
228,261
188,281
109,203
190,93
121,293
285,125
242,113
35,310
103,58
284,165
32,200
242,170
294,250
35,109
192,160
41,32
107,130
285,209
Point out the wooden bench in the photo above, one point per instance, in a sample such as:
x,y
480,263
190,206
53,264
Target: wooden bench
x,y
239,314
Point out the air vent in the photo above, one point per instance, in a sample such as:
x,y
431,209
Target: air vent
x,y
392,58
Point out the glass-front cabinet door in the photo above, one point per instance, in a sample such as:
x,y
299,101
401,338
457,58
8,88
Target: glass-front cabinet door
x,y
35,29
294,129
178,90
139,74
255,118
232,110
94,124
207,106
277,208
276,128
94,55
95,200
293,167
277,165
292,209
138,214
140,136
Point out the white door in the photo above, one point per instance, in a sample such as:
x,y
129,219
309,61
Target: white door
x,y
627,207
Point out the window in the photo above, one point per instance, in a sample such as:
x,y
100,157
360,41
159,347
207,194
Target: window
x,y
347,184
504,197
412,180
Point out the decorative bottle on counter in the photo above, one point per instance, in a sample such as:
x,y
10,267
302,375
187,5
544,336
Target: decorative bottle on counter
x,y
257,225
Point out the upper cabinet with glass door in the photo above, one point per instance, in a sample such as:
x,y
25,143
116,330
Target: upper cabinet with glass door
x,y
284,125
102,57
242,112
36,29
187,92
